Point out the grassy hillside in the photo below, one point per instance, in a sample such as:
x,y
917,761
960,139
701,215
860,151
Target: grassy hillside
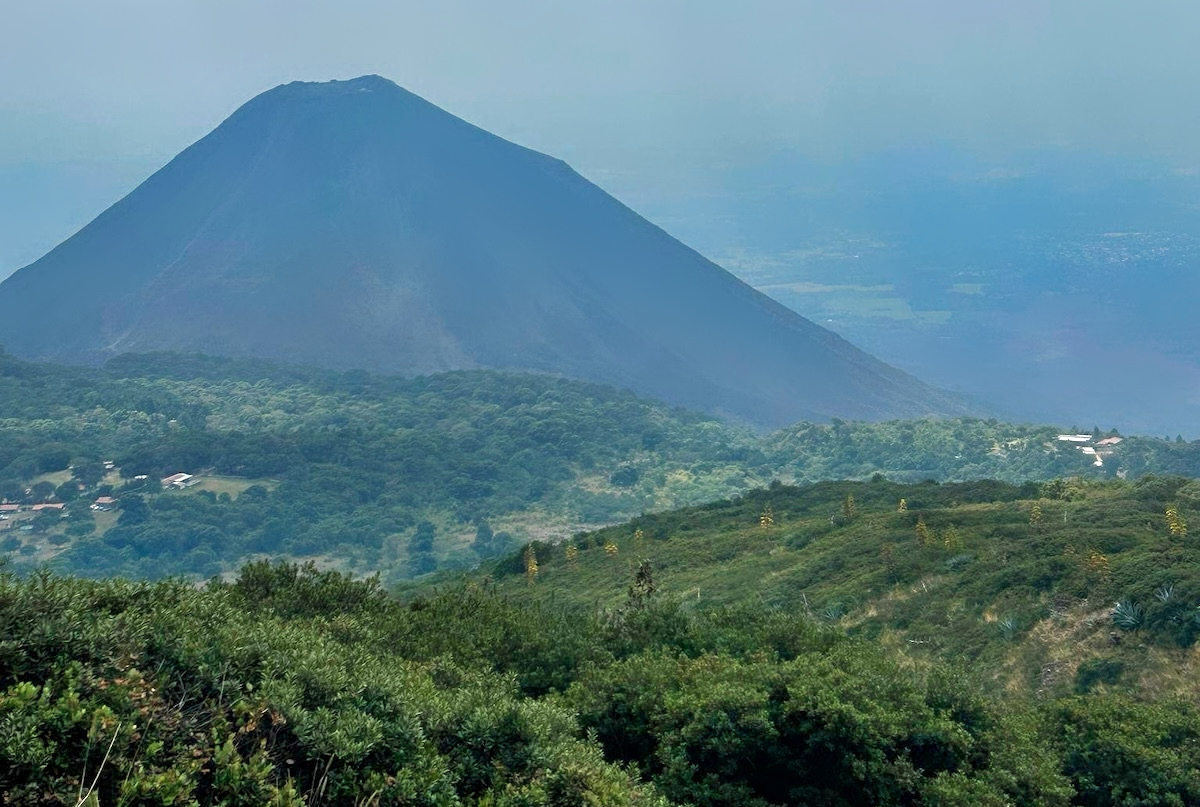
x,y
1061,586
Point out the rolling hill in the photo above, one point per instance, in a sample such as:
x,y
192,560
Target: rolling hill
x,y
1052,588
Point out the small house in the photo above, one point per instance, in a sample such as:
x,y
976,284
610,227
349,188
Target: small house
x,y
104,503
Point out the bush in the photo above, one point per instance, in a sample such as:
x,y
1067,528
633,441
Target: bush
x,y
1097,671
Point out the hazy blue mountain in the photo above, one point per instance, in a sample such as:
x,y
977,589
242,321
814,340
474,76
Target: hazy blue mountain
x,y
353,224
1056,286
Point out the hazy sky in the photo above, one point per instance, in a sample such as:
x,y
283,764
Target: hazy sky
x,y
95,96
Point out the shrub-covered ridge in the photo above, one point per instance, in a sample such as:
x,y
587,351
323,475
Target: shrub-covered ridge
x,y
293,686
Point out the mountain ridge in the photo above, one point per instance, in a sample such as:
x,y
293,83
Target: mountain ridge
x,y
353,224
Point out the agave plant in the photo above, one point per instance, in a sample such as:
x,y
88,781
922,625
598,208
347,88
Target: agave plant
x,y
1164,592
1008,627
1127,615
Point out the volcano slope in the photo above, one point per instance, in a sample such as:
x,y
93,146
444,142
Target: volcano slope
x,y
354,225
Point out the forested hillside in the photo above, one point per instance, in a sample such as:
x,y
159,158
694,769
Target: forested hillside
x,y
404,476
877,641
289,686
342,465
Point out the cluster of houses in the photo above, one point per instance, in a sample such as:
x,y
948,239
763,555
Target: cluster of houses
x,y
1089,445
21,516
8,510
101,504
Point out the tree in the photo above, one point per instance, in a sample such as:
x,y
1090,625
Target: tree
x,y
134,510
483,539
68,491
624,477
420,550
42,491
46,520
88,474
643,587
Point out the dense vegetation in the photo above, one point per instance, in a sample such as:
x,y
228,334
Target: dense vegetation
x,y
882,641
408,475
290,686
318,463
1055,587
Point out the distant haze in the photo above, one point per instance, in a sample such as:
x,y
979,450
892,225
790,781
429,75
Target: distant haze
x,y
636,96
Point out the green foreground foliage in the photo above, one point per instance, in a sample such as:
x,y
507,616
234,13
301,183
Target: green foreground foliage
x,y
410,475
288,687
293,686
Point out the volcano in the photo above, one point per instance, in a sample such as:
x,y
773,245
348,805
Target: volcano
x,y
352,224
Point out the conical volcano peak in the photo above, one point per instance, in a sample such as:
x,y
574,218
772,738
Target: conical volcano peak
x,y
365,95
369,118
352,224
328,89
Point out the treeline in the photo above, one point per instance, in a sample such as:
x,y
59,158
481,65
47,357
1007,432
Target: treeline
x,y
347,465
292,686
959,449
